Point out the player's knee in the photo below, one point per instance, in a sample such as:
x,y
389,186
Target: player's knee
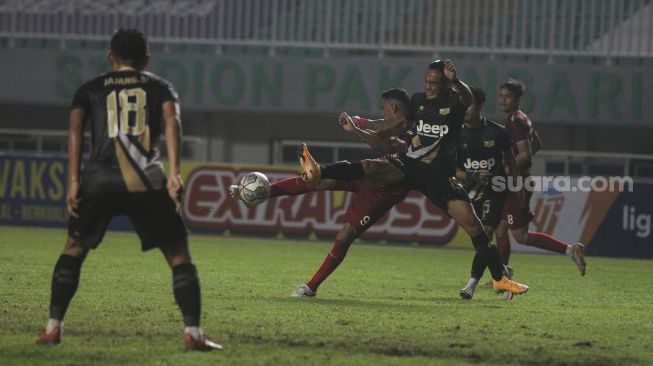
x,y
177,260
370,166
489,230
348,234
74,248
498,234
471,227
177,254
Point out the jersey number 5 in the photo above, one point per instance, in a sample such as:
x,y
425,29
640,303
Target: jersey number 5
x,y
129,100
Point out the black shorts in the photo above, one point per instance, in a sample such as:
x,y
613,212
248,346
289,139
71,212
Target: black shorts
x,y
489,207
153,215
434,180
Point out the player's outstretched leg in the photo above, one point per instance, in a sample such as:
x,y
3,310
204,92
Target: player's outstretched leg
x,y
292,186
345,171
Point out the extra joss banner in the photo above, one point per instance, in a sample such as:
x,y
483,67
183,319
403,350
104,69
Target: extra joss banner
x,y
208,207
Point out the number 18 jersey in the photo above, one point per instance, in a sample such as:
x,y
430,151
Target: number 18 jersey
x,y
124,113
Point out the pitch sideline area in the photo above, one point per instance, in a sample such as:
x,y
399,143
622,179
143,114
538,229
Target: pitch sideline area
x,y
384,305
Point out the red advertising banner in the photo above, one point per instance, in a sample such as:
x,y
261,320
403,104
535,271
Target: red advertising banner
x,y
208,208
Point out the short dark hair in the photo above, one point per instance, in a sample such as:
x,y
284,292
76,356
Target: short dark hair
x,y
515,86
437,65
398,94
130,46
478,93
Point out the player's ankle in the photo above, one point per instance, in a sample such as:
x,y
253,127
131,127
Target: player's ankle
x,y
472,282
53,323
195,332
570,250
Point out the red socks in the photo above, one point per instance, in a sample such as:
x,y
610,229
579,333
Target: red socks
x,y
546,241
331,262
290,187
503,244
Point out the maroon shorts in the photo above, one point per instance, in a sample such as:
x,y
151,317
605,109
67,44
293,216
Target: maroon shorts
x,y
516,217
370,202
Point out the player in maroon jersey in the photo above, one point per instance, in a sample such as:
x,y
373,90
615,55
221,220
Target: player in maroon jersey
x,y
371,202
126,110
516,217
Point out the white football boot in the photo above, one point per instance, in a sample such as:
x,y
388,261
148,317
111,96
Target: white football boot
x,y
578,257
303,291
467,292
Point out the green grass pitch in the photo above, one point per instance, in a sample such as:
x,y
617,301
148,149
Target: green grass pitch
x,y
384,305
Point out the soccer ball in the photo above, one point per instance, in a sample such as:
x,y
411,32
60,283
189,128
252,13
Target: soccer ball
x,y
254,188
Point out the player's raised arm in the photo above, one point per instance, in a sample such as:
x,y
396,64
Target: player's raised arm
x,y
385,145
172,122
75,148
450,73
396,128
370,124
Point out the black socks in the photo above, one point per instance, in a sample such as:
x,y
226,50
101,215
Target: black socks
x,y
186,287
342,170
488,251
65,280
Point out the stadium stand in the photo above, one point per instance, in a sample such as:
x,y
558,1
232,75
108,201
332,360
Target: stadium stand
x,y
598,28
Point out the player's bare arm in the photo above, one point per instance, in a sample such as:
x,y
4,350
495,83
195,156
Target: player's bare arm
x,y
523,156
370,124
386,145
450,73
75,143
537,143
513,171
395,128
172,122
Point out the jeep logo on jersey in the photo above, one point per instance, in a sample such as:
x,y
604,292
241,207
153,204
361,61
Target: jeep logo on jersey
x,y
432,130
479,164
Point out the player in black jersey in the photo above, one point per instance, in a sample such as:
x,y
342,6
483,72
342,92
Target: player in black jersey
x,y
484,149
429,165
126,110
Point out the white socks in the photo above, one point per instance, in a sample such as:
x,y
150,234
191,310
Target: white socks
x,y
570,250
195,332
52,323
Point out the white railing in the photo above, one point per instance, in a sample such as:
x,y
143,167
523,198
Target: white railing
x,y
599,28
